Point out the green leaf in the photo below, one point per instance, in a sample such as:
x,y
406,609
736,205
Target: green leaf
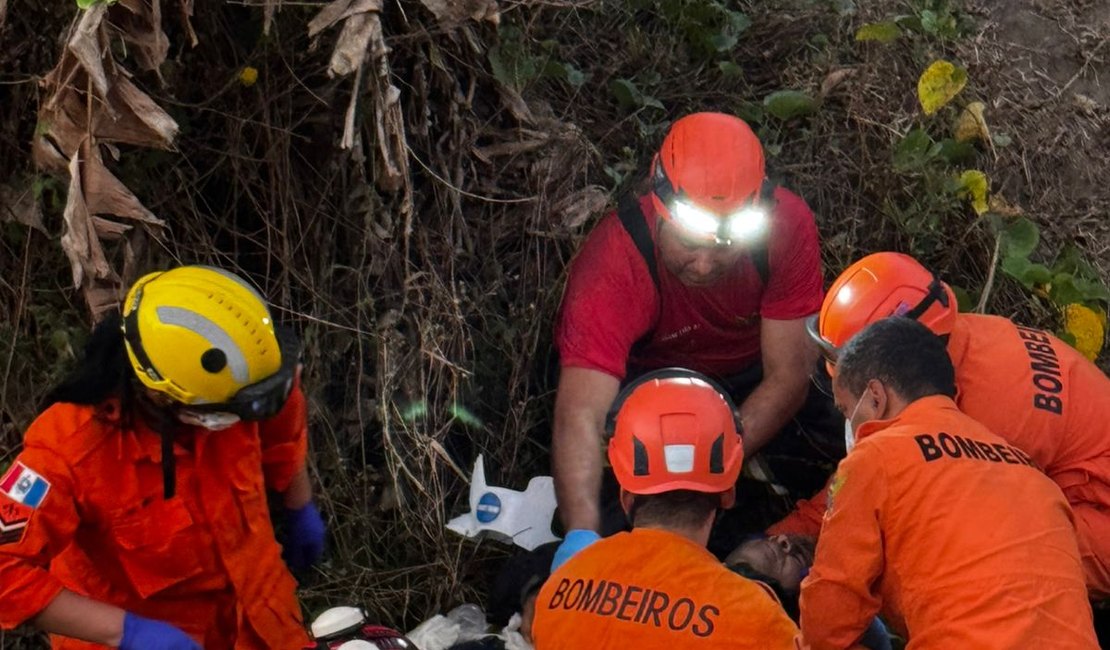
x,y
955,153
463,414
964,301
565,72
86,4
909,23
883,32
739,21
1025,272
730,69
1019,238
913,151
788,104
626,93
510,61
415,411
1036,274
1091,290
1066,337
1063,290
750,112
929,22
723,41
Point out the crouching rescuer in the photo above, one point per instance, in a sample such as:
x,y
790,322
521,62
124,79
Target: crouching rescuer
x,y
136,514
676,454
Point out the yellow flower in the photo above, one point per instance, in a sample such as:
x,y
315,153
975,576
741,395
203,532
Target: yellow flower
x,y
248,76
1087,327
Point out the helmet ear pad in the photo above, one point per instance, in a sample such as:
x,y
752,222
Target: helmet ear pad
x,y
664,373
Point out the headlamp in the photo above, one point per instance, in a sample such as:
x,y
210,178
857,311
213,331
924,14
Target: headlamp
x,y
746,223
694,220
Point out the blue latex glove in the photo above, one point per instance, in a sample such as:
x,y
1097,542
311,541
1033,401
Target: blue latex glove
x,y
304,537
144,634
575,541
876,637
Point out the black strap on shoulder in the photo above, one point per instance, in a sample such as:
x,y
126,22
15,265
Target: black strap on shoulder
x,y
632,218
762,261
760,254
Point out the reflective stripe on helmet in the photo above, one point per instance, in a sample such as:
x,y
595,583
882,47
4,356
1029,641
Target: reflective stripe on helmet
x,y
211,332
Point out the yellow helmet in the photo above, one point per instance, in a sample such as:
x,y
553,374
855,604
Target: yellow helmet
x,y
204,337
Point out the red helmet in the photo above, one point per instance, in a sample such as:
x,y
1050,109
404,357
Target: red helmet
x,y
674,430
709,178
878,286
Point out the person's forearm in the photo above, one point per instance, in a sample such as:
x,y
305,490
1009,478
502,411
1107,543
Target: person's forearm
x,y
82,618
299,492
576,459
770,406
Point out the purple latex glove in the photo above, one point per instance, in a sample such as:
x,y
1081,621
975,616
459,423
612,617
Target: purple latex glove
x,y
304,537
145,634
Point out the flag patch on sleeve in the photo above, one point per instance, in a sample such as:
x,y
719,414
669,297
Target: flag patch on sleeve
x,y
24,485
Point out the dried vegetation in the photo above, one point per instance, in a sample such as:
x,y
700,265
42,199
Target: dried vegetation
x,y
406,182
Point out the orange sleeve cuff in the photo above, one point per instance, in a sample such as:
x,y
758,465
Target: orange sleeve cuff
x,y
285,441
24,592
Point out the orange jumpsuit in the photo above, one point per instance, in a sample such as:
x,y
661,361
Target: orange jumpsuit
x,y
205,560
1042,396
953,535
651,589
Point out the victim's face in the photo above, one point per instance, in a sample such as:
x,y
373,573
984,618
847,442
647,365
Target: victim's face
x,y
786,558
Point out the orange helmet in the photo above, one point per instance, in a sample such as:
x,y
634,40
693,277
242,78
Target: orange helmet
x,y
708,178
675,430
875,287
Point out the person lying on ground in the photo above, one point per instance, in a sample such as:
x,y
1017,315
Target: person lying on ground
x,y
1026,385
781,562
676,452
715,269
784,558
136,514
954,551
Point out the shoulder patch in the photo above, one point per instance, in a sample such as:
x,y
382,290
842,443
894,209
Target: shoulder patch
x,y
13,521
24,485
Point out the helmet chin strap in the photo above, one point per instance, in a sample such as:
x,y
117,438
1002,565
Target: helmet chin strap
x,y
162,420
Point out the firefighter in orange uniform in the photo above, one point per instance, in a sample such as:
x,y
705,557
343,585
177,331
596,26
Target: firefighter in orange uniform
x,y
676,454
136,515
952,533
1024,384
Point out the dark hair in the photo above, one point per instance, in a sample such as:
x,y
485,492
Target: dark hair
x,y
788,598
903,354
103,372
676,509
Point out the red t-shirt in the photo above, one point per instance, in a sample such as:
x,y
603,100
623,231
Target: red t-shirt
x,y
610,301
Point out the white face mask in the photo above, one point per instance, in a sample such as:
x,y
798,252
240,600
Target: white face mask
x,y
849,432
206,420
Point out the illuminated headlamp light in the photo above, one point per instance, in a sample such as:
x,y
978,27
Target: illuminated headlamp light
x,y
695,220
741,225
